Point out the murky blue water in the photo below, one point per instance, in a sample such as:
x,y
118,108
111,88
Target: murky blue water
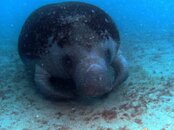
x,y
153,18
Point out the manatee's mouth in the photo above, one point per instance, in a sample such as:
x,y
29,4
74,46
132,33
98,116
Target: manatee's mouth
x,y
62,85
94,79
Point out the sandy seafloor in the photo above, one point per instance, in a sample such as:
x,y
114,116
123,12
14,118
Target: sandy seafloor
x,y
145,100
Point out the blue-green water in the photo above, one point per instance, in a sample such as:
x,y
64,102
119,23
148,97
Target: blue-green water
x,y
132,17
144,102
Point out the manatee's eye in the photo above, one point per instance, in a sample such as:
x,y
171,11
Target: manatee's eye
x,y
67,61
108,54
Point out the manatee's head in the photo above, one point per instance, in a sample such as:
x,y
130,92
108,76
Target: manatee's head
x,y
90,67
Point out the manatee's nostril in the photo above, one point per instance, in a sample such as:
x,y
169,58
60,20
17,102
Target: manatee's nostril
x,y
94,67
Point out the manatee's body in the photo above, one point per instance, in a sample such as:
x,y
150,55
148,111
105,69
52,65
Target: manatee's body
x,y
71,48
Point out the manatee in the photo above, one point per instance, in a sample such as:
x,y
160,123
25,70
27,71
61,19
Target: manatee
x,y
72,50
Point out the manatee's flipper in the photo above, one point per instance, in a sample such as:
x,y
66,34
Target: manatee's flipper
x,y
121,69
44,85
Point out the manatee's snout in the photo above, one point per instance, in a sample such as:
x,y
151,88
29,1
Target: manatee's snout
x,y
93,77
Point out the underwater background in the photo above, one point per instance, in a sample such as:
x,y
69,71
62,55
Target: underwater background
x,y
143,102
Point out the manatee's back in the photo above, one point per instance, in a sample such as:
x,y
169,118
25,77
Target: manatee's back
x,y
64,23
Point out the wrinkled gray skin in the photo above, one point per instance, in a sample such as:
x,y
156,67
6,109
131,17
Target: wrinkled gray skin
x,y
72,50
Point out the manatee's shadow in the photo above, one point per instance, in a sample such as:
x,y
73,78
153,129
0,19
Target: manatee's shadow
x,y
82,101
